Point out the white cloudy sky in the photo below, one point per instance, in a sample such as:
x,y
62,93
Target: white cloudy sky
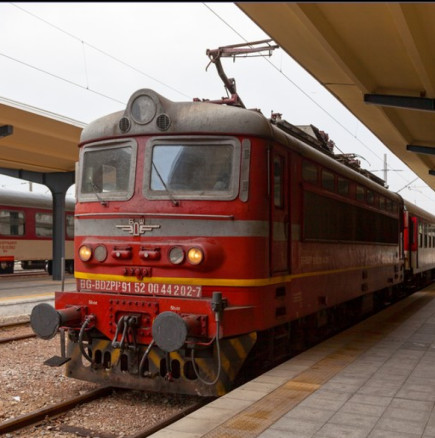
x,y
84,60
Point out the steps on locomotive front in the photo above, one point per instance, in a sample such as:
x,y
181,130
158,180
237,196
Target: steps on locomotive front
x,y
374,380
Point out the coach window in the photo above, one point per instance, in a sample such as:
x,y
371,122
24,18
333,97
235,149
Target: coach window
x,y
278,183
420,235
391,206
70,226
43,224
388,206
370,197
309,172
12,223
381,202
360,193
343,186
328,180
376,200
426,236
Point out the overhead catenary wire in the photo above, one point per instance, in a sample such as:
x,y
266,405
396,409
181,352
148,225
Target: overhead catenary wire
x,y
97,49
279,69
60,78
135,69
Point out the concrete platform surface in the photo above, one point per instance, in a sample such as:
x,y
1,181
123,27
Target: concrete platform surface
x,y
375,380
19,295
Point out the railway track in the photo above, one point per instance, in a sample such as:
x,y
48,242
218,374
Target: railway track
x,y
29,273
40,415
57,409
13,324
15,337
5,340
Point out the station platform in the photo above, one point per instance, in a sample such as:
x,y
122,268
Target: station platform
x,y
18,295
374,380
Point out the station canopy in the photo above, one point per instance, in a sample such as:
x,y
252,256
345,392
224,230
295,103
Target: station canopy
x,y
35,140
377,59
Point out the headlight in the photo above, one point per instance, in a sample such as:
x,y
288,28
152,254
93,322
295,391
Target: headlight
x,y
195,256
100,253
85,253
176,255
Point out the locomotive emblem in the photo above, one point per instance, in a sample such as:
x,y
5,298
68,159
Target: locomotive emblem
x,y
137,227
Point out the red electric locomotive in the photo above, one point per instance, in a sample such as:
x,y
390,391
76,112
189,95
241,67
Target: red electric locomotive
x,y
203,230
208,237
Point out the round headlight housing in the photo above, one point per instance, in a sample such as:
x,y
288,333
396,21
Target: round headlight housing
x,y
143,109
195,256
100,253
176,255
85,253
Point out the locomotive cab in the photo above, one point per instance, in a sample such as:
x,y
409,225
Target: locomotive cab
x,y
160,225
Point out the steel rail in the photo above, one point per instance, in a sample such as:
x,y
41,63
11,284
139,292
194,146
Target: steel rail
x,y
17,338
41,414
14,323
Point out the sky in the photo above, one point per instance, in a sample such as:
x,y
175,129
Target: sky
x,y
84,60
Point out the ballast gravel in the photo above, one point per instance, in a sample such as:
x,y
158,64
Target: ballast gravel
x,y
26,385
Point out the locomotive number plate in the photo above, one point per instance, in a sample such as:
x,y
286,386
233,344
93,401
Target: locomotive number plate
x,y
127,287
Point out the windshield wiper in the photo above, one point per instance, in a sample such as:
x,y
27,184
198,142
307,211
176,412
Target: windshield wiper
x,y
96,190
171,197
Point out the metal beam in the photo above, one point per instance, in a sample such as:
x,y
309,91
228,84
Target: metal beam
x,y
409,102
429,150
6,130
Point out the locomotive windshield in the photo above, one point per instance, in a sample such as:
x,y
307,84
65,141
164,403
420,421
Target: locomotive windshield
x,y
107,171
192,170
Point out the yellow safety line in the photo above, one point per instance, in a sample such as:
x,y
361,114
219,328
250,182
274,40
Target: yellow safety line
x,y
21,297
